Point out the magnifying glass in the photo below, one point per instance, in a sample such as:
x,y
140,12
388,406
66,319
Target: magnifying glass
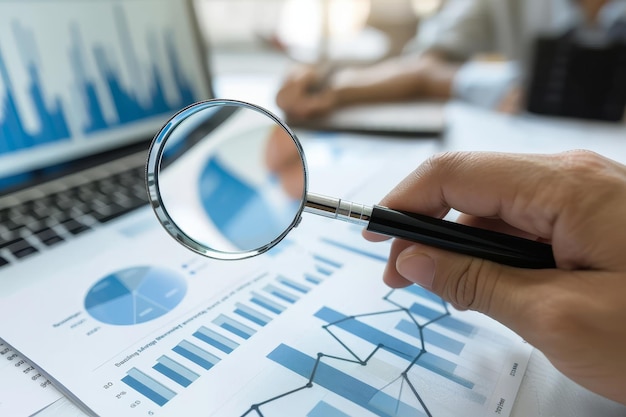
x,y
228,180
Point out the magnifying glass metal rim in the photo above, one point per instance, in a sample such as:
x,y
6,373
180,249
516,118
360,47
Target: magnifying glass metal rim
x,y
460,238
153,169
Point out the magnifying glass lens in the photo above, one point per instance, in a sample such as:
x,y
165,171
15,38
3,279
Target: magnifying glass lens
x,y
226,179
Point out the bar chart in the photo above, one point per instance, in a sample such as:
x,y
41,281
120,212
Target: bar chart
x,y
319,370
433,352
400,359
106,81
211,343
307,329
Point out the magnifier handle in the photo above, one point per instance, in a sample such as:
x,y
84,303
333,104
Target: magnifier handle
x,y
455,237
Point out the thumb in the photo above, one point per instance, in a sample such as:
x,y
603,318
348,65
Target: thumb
x,y
499,291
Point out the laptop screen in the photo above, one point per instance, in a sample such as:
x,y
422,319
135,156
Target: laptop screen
x,y
81,78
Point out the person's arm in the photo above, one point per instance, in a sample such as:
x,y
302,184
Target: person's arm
x,y
430,75
463,28
402,78
575,314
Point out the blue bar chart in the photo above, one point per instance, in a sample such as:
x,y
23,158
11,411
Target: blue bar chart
x,y
196,354
51,117
421,333
350,388
414,331
148,386
216,340
175,371
235,327
251,314
104,72
210,343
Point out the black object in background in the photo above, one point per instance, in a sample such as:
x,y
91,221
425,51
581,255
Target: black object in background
x,y
571,78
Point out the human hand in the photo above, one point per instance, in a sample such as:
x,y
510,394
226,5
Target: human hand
x,y
574,314
302,96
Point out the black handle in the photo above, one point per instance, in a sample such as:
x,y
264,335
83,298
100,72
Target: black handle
x,y
481,243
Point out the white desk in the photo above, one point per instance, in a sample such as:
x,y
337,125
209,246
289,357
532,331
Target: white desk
x,y
544,391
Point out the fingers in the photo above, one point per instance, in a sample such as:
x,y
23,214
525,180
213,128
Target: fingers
x,y
538,196
504,293
301,97
488,185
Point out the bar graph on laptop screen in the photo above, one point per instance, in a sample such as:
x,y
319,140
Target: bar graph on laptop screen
x,y
80,77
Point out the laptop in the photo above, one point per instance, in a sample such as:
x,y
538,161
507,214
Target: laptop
x,y
84,86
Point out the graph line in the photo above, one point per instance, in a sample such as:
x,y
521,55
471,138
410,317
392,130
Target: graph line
x,y
414,356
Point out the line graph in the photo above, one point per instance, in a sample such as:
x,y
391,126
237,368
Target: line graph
x,y
387,353
319,370
342,344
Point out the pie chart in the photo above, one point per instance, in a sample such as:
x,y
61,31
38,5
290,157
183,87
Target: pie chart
x,y
135,295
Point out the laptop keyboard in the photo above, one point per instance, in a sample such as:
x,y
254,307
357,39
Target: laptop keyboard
x,y
34,225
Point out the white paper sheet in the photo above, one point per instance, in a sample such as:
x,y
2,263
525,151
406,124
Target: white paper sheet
x,y
313,312
23,389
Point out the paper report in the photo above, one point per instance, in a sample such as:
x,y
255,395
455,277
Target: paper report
x,y
308,329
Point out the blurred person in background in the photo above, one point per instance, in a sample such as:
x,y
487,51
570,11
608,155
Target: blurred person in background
x,y
472,50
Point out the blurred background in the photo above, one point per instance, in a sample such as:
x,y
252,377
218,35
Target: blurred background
x,y
352,31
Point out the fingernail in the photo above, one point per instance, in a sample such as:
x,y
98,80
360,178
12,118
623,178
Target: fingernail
x,y
417,267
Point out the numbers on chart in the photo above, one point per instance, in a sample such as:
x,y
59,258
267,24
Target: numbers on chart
x,y
122,395
10,355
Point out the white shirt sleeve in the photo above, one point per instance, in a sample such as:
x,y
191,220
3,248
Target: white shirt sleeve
x,y
462,29
485,83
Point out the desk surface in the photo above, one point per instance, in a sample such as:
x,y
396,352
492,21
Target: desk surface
x,y
544,391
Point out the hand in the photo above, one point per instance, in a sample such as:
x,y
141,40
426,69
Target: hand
x,y
575,314
301,96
